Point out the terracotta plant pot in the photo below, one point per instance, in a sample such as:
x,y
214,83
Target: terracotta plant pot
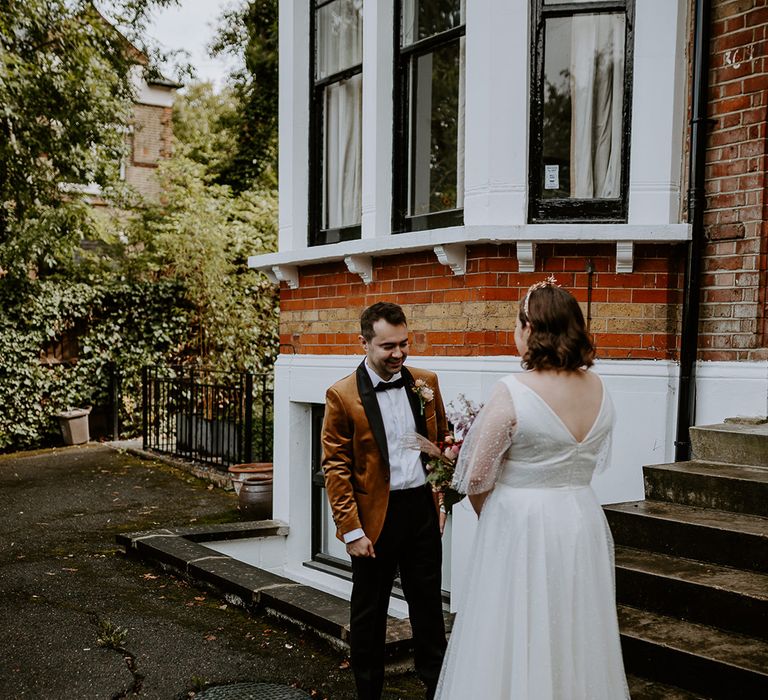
x,y
255,497
239,472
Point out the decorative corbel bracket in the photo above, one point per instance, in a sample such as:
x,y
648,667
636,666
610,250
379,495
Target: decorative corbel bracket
x,y
288,274
360,265
270,275
454,255
526,256
625,251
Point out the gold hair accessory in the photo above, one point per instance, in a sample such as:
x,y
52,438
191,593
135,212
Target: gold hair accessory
x,y
548,282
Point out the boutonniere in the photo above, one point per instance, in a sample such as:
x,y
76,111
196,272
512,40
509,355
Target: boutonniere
x,y
424,392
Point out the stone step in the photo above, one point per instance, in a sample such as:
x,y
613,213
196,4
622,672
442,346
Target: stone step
x,y
182,551
704,534
732,443
694,657
643,689
741,489
706,593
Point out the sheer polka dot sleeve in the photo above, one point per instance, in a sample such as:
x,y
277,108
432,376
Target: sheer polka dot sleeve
x,y
482,452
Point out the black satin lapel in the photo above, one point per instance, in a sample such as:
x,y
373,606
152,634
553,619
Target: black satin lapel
x,y
413,399
372,411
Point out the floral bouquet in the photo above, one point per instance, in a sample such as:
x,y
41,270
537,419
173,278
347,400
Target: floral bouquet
x,y
444,454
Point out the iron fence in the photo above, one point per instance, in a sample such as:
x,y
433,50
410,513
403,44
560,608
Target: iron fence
x,y
218,418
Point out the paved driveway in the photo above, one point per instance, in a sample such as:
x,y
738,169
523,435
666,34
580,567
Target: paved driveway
x,y
80,620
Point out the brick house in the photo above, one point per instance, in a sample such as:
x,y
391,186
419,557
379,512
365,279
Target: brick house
x,y
446,155
151,133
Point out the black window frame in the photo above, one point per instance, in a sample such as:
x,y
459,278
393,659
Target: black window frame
x,y
317,235
570,210
403,116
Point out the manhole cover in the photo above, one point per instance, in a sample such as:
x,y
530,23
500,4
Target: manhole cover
x,y
252,691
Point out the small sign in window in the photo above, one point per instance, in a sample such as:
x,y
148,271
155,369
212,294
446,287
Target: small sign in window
x,y
551,177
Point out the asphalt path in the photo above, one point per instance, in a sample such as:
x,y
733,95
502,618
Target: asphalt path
x,y
80,620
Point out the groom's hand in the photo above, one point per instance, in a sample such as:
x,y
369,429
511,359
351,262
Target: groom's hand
x,y
361,547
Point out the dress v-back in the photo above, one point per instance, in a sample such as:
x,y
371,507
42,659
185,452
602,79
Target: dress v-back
x,y
538,617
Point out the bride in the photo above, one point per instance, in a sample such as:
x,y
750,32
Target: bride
x,y
538,619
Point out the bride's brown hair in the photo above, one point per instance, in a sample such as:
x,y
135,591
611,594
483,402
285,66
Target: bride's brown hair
x,y
558,338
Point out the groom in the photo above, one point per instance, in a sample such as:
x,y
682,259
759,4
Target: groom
x,y
382,506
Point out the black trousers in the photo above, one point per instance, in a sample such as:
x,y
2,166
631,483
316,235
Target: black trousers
x,y
410,541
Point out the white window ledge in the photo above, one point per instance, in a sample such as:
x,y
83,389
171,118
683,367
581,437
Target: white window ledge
x,y
529,234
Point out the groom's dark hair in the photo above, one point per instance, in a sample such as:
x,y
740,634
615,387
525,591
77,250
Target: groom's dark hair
x,y
390,312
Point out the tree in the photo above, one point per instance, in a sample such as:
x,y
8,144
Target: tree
x,y
201,237
202,120
202,234
65,96
250,32
168,282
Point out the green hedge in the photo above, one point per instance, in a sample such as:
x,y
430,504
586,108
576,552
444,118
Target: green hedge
x,y
127,324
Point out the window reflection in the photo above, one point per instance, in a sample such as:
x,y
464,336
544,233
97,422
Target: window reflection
x,y
583,103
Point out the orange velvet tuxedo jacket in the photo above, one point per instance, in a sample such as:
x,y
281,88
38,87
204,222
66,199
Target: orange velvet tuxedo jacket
x,y
355,454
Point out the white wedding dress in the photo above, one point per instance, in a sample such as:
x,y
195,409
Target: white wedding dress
x,y
538,618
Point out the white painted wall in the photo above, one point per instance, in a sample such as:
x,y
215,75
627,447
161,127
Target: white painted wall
x,y
644,393
378,115
729,389
266,553
497,113
293,120
658,111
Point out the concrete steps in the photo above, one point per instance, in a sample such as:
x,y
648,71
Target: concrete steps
x,y
643,689
692,569
696,591
701,659
720,537
731,443
733,488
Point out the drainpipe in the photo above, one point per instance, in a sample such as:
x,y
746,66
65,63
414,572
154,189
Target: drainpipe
x,y
686,391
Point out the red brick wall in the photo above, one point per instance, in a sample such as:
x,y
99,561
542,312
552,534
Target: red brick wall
x,y
633,315
734,267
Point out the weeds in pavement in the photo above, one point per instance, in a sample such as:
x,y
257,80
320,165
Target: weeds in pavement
x,y
110,635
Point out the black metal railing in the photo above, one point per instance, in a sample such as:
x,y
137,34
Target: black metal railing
x,y
218,418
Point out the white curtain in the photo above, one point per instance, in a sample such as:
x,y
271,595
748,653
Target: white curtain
x,y
597,94
340,46
343,153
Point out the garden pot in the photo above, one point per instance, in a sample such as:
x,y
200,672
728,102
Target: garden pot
x,y
239,472
74,425
255,497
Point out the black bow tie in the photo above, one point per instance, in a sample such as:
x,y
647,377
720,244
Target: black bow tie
x,y
383,386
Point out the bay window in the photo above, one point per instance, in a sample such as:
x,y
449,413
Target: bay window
x,y
580,116
336,121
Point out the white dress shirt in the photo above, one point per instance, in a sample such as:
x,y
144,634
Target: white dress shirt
x,y
405,468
